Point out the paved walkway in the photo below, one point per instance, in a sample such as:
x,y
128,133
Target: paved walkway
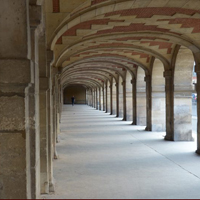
x,y
103,157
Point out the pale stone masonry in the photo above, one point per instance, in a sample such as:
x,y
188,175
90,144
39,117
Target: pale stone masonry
x,y
134,60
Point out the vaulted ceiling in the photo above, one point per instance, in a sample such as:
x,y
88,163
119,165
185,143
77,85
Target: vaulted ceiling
x,y
96,40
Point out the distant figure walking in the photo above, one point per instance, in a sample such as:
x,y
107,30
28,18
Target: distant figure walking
x,y
73,100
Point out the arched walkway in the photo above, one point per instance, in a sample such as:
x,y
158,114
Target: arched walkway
x,y
101,156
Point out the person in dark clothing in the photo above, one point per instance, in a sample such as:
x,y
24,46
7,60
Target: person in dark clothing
x,y
73,100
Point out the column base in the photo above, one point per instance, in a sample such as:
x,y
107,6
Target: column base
x,y
168,138
147,128
51,186
55,155
197,151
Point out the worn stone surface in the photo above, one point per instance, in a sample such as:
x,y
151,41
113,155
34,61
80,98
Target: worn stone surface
x,y
13,43
13,165
12,113
15,71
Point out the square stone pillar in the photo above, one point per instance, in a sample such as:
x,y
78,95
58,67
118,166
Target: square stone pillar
x,y
169,94
44,136
117,99
111,99
50,121
197,70
106,98
148,102
54,103
15,129
99,98
19,127
124,100
134,101
96,91
114,98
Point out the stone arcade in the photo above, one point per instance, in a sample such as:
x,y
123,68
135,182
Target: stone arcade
x,y
134,58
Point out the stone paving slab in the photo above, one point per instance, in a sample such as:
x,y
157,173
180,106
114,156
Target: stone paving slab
x,y
103,157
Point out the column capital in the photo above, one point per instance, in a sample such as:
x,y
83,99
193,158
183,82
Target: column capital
x,y
167,74
147,78
133,80
35,15
123,82
197,67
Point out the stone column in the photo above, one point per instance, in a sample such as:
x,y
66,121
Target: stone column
x,y
90,97
124,100
169,93
87,97
94,96
44,132
93,102
99,98
103,91
96,90
117,99
111,100
197,70
148,102
134,101
19,136
54,124
106,97
50,121
58,111
32,96
15,139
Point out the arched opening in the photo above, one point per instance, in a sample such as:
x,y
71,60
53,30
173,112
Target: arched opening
x,y
78,91
129,97
183,89
141,97
121,102
158,97
114,97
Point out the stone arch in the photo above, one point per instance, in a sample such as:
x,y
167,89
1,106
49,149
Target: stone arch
x,y
129,97
183,88
121,102
141,97
158,97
